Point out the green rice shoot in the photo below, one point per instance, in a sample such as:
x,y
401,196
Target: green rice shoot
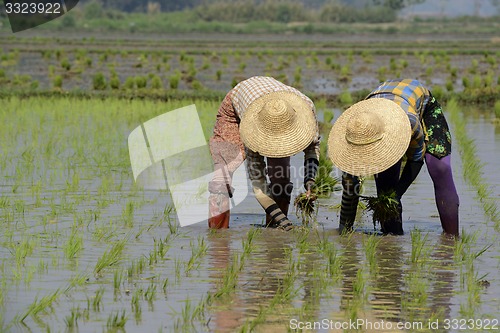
x,y
323,187
304,207
383,207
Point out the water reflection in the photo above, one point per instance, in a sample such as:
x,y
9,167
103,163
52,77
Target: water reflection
x,y
444,270
257,284
388,279
224,318
390,294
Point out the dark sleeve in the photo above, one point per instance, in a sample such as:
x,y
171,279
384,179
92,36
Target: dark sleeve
x,y
350,199
310,169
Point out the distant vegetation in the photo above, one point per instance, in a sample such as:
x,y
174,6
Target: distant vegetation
x,y
251,5
224,16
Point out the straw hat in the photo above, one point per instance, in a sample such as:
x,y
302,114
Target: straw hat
x,y
278,124
369,137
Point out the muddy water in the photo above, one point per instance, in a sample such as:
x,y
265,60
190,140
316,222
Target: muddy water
x,y
393,288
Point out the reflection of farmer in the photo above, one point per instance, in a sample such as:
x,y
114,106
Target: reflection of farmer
x,y
399,117
262,117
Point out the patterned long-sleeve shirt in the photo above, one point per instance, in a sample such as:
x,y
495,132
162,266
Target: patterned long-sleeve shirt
x,y
412,97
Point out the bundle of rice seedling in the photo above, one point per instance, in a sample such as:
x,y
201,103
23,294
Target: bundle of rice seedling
x,y
324,183
384,207
323,187
304,206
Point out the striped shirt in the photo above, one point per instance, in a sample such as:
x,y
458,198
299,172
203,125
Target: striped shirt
x,y
412,97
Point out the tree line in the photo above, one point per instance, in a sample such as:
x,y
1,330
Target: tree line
x,y
284,11
176,5
240,11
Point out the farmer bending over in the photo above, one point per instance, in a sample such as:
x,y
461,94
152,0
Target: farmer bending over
x,y
400,117
262,117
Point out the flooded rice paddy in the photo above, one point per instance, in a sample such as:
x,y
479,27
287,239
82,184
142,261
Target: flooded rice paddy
x,y
83,249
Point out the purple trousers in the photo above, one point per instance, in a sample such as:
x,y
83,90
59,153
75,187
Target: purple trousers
x,y
447,201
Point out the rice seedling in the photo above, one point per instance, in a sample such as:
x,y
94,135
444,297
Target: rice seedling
x,y
297,76
477,82
323,186
197,252
117,279
23,249
333,261
287,289
418,290
384,207
164,285
229,280
29,273
328,117
150,293
466,82
74,245
110,257
99,81
79,279
345,98
302,239
188,315
462,245
97,299
162,247
136,305
39,305
488,80
304,207
393,65
471,282
449,85
129,83
248,244
382,73
359,286
496,107
43,267
17,274
472,165
128,214
72,320
114,83
177,269
102,232
65,64
173,227
116,320
57,82
370,245
418,250
197,85
137,267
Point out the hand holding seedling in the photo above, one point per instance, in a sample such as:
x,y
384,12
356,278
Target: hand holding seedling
x,y
304,203
386,209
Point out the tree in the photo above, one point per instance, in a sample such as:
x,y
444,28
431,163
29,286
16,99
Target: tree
x,y
397,5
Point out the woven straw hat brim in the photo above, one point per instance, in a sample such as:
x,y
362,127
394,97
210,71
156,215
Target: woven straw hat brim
x,y
274,140
372,158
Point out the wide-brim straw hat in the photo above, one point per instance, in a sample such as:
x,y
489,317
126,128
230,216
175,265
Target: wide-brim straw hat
x,y
369,137
278,124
